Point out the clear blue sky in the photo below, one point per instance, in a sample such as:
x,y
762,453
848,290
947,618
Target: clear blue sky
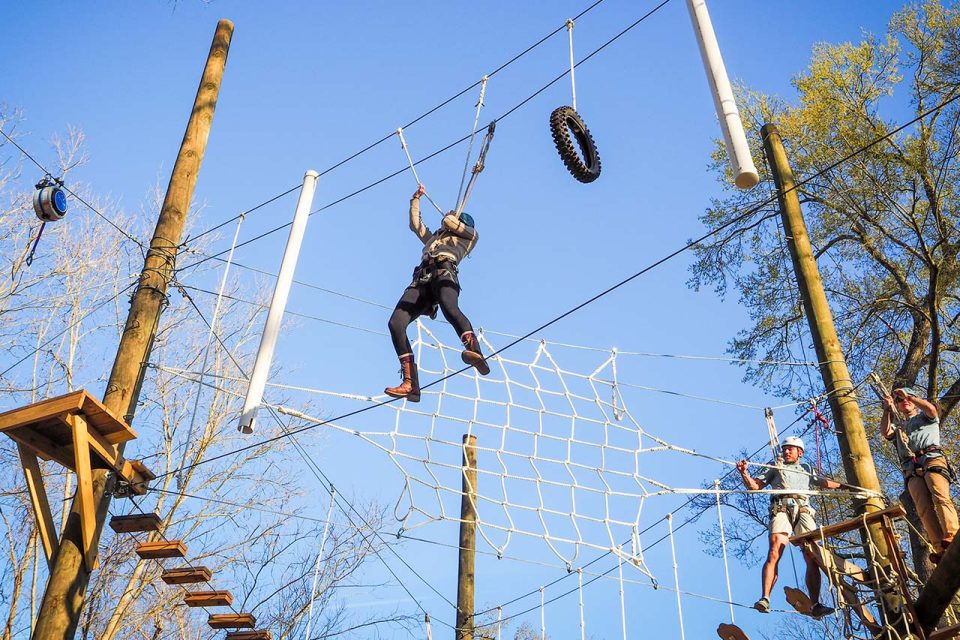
x,y
309,83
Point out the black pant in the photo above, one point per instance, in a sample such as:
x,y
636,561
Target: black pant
x,y
443,290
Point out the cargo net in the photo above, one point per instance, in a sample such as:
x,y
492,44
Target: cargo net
x,y
559,455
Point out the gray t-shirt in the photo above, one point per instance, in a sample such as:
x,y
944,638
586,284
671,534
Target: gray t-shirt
x,y
798,476
922,432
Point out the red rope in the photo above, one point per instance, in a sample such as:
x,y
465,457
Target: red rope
x,y
818,419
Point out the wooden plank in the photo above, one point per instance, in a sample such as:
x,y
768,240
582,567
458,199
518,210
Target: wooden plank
x,y
41,505
88,510
829,531
231,621
248,635
161,549
135,522
945,633
186,575
731,632
113,429
44,409
44,447
208,599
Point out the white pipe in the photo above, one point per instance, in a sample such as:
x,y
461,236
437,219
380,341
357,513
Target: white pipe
x,y
744,171
271,329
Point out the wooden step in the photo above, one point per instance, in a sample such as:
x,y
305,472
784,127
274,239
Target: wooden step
x,y
249,635
161,549
186,575
208,599
135,522
232,621
947,632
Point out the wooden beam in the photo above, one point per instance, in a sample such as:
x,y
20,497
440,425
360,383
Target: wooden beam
x,y
208,599
731,632
136,522
186,575
161,549
44,447
41,505
232,621
88,510
829,531
249,635
945,633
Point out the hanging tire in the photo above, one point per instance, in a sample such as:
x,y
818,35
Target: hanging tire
x,y
575,144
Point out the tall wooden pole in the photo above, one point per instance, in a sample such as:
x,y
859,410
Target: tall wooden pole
x,y
468,541
67,586
851,436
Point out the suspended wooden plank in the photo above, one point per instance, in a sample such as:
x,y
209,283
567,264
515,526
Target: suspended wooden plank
x,y
896,511
135,522
208,599
249,635
161,549
945,633
186,575
232,621
799,600
731,632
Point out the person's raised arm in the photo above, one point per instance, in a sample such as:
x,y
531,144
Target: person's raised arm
x,y
749,482
926,406
416,223
452,222
886,422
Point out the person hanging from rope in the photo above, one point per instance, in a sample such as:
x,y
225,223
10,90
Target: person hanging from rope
x,y
926,471
435,284
790,514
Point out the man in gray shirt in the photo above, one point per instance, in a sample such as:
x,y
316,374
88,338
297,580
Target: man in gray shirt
x,y
790,514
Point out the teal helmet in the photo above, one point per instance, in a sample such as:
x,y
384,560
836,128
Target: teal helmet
x,y
467,219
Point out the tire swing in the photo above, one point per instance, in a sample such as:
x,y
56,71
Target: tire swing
x,y
571,135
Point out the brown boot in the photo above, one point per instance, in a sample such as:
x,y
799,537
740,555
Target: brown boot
x,y
410,387
471,353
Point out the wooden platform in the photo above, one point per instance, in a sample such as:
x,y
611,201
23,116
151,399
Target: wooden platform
x,y
249,635
161,549
186,575
135,523
208,599
79,433
232,621
945,633
831,530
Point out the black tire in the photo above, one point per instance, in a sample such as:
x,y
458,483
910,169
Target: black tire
x,y
580,157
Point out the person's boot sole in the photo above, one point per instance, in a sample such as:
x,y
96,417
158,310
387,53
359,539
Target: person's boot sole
x,y
476,361
409,396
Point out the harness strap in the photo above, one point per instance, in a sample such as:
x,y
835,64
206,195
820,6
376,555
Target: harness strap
x,y
477,168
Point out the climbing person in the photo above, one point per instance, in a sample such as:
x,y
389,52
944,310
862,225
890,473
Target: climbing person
x,y
790,514
435,284
926,471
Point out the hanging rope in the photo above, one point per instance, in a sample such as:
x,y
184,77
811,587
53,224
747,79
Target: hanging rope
x,y
33,249
623,604
473,135
206,348
583,626
316,569
676,574
819,420
573,82
413,168
426,622
543,617
723,546
499,622
477,168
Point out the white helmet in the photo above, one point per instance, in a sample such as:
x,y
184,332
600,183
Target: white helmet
x,y
793,441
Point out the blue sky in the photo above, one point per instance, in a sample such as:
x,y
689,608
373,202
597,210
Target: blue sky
x,y
307,84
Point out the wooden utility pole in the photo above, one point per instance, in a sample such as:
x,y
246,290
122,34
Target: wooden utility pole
x,y
468,540
851,436
67,586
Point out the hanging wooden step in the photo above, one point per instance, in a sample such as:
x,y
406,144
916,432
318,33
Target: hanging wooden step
x,y
81,434
161,549
731,632
945,633
136,522
232,621
186,575
208,599
249,635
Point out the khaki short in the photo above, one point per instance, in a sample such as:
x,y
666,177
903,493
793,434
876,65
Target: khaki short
x,y
781,523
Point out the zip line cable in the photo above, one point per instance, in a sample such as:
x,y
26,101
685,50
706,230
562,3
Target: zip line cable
x,y
103,217
452,144
423,115
650,267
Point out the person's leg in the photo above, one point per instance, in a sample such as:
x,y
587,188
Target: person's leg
x,y
409,307
778,542
448,295
917,487
946,513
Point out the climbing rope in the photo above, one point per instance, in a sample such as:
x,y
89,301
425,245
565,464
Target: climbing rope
x,y
723,547
676,573
477,168
316,568
413,168
573,82
473,135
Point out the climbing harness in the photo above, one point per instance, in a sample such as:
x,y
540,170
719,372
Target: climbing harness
x,y
50,205
571,135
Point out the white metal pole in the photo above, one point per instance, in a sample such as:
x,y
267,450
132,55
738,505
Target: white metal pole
x,y
744,171
258,380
